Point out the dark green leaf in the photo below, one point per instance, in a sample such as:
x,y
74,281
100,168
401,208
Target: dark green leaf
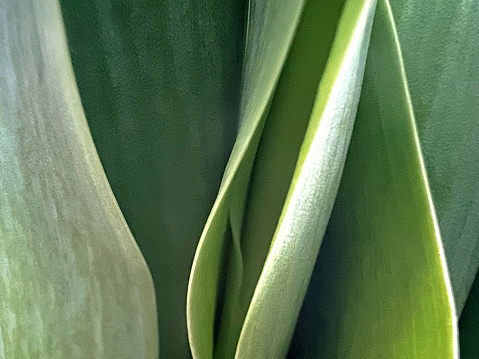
x,y
440,42
381,288
469,324
160,83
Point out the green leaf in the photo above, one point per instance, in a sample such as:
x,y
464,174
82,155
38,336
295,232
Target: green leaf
x,y
73,282
262,165
440,42
469,324
279,293
270,29
274,163
160,84
381,288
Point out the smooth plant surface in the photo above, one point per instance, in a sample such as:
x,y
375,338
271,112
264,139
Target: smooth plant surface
x,y
73,282
160,83
440,42
381,272
346,221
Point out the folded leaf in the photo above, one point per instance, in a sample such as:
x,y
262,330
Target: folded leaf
x,y
274,164
270,29
278,296
160,84
380,287
273,154
73,282
440,42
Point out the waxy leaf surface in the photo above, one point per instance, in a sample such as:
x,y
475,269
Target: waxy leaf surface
x,y
310,129
440,44
73,282
160,83
381,288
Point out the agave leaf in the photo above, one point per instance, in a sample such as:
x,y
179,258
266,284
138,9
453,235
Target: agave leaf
x,y
381,287
440,42
274,164
160,84
274,160
73,281
270,29
278,296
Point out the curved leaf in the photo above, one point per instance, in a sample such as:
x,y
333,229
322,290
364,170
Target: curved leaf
x,y
274,164
73,281
440,42
270,29
277,299
160,84
268,161
381,287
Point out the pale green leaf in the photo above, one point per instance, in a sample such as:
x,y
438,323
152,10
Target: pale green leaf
x,y
440,42
73,283
278,296
274,164
381,287
262,165
270,29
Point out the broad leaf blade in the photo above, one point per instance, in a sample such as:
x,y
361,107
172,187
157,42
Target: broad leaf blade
x,y
277,299
271,26
245,254
160,84
274,164
381,286
73,282
440,42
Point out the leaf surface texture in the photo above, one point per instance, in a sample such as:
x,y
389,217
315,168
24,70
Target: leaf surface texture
x,y
380,288
73,282
247,213
440,43
160,83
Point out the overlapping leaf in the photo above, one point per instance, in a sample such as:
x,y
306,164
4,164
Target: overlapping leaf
x,y
381,288
271,26
440,41
277,299
264,333
160,84
274,162
73,282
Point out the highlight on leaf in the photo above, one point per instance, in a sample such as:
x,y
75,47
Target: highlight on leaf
x,y
345,223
